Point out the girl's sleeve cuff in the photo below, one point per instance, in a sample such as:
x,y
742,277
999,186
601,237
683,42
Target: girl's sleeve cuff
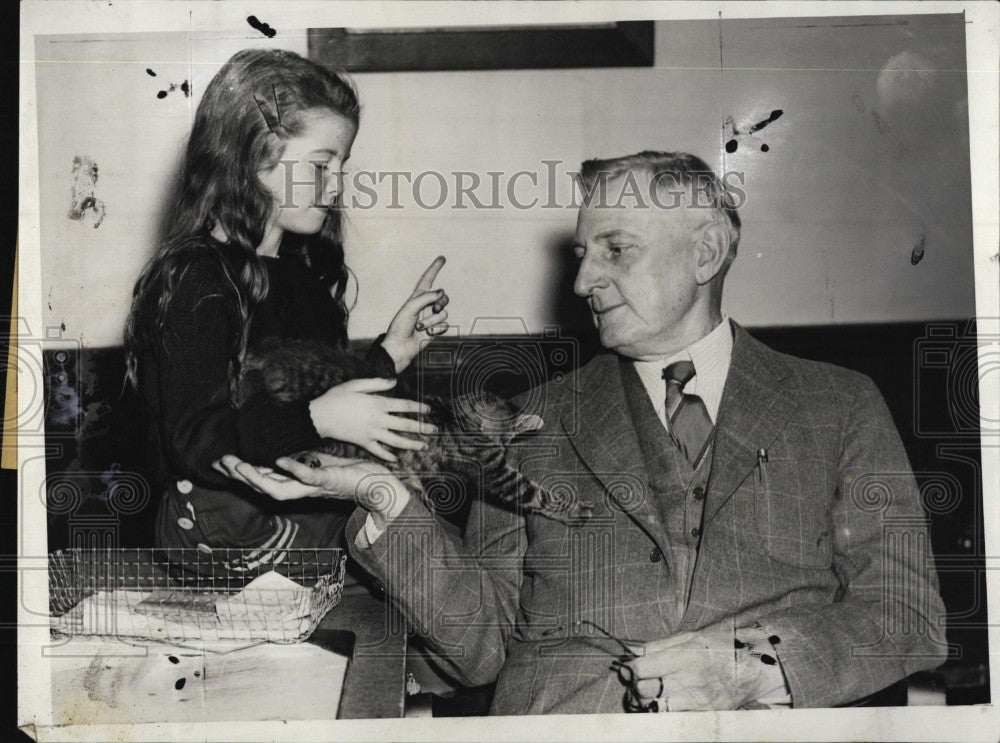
x,y
380,359
270,430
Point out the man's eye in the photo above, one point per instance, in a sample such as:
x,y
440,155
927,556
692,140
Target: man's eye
x,y
617,250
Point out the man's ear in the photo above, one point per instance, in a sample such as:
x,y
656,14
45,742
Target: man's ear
x,y
711,251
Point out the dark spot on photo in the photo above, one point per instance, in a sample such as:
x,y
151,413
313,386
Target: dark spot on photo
x,y
737,136
775,115
179,684
262,27
917,254
184,87
150,72
172,659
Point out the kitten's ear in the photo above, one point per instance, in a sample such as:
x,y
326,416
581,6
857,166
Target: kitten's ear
x,y
528,423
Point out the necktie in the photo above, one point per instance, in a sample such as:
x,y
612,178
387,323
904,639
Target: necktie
x,y
690,424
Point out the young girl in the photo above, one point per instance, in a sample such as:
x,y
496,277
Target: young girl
x,y
252,249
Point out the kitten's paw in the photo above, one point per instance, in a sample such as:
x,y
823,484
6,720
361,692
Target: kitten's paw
x,y
308,458
528,423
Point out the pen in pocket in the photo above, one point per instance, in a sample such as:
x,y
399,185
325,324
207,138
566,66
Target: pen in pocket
x,y
761,469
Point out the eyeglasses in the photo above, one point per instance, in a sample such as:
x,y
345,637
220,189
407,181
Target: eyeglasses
x,y
631,700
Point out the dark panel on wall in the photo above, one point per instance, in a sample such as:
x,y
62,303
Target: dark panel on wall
x,y
628,44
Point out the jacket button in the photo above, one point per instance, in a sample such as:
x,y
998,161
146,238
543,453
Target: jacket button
x,y
696,532
185,523
185,486
655,555
698,493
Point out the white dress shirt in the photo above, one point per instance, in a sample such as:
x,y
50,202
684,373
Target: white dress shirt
x,y
710,355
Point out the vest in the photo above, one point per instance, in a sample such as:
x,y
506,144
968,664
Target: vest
x,y
676,489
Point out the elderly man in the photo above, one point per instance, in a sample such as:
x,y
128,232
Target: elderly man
x,y
756,535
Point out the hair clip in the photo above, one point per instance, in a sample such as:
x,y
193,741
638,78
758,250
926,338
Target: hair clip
x,y
273,120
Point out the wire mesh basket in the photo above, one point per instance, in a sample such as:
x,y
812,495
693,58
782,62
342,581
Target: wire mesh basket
x,y
184,596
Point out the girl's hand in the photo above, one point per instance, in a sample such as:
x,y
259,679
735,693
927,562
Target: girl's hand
x,y
350,412
404,337
367,483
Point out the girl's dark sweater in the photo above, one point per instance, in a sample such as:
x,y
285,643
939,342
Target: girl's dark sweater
x,y
184,383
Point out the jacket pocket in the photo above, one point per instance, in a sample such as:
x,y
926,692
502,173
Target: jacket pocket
x,y
792,511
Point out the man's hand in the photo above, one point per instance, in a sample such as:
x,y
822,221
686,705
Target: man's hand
x,y
367,483
405,335
699,671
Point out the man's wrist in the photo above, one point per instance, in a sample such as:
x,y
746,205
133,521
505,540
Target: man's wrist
x,y
386,507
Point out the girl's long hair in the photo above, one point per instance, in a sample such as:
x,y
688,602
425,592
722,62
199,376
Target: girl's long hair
x,y
253,105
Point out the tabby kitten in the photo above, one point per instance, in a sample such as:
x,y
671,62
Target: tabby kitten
x,y
474,430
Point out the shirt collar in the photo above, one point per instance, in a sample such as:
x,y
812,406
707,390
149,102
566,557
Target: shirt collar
x,y
710,354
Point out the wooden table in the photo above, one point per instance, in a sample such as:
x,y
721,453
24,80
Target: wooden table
x,y
111,681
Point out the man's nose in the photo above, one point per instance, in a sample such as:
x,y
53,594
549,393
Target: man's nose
x,y
588,277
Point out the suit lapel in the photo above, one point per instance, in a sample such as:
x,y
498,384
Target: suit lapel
x,y
602,433
754,410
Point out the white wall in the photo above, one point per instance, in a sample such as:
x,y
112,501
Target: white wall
x,y
856,173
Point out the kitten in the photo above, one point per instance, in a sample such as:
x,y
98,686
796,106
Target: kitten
x,y
474,430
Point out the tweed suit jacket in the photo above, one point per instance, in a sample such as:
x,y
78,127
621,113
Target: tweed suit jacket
x,y
825,545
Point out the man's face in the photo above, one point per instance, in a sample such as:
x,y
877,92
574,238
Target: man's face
x,y
637,273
